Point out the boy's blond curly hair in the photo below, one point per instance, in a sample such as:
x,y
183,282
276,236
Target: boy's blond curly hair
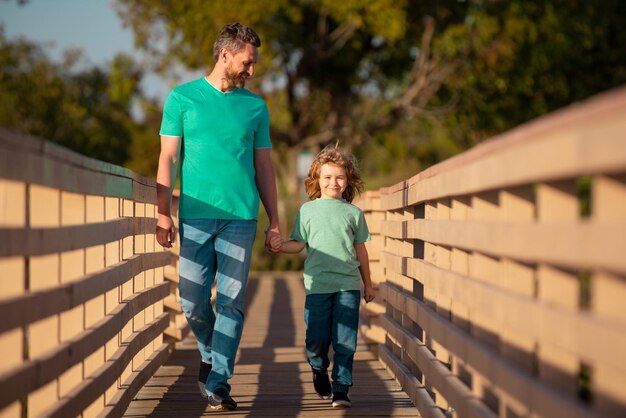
x,y
331,154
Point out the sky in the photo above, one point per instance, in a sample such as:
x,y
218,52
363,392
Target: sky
x,y
91,25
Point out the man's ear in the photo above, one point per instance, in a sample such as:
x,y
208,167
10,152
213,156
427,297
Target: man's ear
x,y
224,55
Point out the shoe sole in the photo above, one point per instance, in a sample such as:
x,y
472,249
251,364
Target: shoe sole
x,y
341,404
223,407
203,391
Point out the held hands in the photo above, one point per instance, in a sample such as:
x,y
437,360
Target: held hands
x,y
165,231
369,294
276,243
273,240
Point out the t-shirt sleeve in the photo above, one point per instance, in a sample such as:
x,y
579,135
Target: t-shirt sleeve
x,y
172,121
262,135
299,232
362,233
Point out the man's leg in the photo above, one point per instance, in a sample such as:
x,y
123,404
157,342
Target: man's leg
x,y
233,248
318,318
197,272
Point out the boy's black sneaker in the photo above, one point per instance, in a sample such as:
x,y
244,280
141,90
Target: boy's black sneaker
x,y
220,400
203,376
321,383
341,400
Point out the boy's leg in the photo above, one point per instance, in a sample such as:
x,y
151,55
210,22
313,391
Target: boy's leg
x,y
197,273
233,248
318,318
344,331
318,309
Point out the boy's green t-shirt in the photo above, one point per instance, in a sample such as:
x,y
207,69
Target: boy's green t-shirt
x,y
330,228
219,132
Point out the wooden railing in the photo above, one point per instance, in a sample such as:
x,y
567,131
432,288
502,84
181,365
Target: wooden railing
x,y
501,275
81,285
504,272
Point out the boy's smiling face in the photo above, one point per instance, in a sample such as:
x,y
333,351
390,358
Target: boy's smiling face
x,y
333,181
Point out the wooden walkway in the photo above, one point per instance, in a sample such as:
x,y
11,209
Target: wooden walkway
x,y
272,377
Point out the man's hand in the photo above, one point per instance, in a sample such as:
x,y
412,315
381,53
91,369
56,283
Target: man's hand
x,y
165,231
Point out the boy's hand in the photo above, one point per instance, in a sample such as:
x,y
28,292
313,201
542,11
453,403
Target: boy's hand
x,y
370,294
276,243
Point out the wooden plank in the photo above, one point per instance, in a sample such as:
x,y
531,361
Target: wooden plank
x,y
419,395
458,395
575,332
272,377
395,200
90,389
137,380
579,140
558,202
13,203
609,197
576,245
30,307
33,374
607,384
394,229
508,381
40,241
33,160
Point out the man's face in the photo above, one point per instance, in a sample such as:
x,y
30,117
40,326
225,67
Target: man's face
x,y
240,66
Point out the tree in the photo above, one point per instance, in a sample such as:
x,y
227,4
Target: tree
x,y
529,58
330,70
404,83
86,109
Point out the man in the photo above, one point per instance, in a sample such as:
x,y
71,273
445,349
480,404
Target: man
x,y
220,132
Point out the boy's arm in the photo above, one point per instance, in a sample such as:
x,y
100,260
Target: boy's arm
x,y
364,268
292,246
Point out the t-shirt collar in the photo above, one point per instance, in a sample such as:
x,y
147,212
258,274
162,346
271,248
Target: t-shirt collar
x,y
217,89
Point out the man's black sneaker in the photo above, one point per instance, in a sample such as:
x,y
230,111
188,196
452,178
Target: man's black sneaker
x,y
341,400
321,383
203,376
220,400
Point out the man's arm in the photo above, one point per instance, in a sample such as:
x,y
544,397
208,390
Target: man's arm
x,y
166,179
266,184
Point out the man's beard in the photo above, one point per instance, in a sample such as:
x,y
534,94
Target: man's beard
x,y
234,79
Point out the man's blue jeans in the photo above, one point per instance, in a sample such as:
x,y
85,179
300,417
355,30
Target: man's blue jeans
x,y
215,249
332,318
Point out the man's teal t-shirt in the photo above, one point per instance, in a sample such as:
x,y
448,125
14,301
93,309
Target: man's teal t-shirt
x,y
219,132
330,228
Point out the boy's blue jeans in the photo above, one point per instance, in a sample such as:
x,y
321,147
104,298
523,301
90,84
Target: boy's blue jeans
x,y
213,249
332,318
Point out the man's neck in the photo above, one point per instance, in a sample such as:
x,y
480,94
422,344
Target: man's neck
x,y
217,80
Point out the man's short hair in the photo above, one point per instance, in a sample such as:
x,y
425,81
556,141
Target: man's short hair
x,y
233,37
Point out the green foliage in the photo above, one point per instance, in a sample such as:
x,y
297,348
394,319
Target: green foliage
x,y
83,109
145,147
404,84
531,57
